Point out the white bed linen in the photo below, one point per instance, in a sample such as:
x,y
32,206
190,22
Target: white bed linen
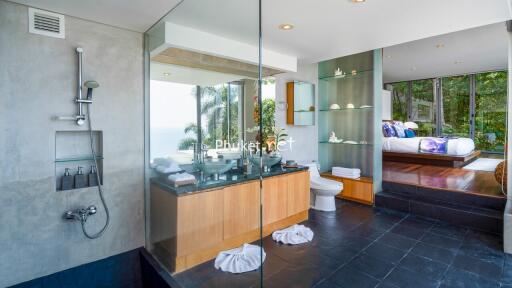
x,y
456,147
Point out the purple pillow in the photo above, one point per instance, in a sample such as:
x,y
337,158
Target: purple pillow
x,y
399,129
387,130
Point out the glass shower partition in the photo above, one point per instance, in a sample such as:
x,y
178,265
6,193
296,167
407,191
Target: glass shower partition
x,y
202,91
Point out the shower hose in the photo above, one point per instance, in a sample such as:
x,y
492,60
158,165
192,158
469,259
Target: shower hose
x,y
100,190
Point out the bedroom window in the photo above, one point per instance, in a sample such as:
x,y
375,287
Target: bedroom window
x,y
455,110
490,111
471,105
400,90
424,106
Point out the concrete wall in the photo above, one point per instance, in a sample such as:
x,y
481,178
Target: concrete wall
x,y
38,81
305,147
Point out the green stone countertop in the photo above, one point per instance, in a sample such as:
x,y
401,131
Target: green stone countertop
x,y
230,178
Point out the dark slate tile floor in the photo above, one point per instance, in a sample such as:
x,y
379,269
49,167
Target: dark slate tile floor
x,y
358,246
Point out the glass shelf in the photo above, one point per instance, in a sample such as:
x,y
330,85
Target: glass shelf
x,y
303,111
358,144
345,109
348,75
77,159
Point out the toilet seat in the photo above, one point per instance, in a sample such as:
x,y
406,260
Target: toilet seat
x,y
325,184
322,189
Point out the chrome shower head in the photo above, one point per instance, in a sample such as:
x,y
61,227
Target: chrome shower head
x,y
91,85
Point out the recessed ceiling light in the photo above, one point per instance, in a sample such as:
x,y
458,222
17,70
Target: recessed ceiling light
x,y
167,74
286,26
440,45
389,56
358,1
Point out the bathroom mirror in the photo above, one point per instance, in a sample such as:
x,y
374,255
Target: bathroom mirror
x,y
300,98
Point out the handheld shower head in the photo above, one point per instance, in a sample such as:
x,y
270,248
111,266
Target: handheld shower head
x,y
91,84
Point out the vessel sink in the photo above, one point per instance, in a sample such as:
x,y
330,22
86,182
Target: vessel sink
x,y
215,167
268,160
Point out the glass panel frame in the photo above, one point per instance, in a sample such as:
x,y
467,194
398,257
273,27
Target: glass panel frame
x,y
228,124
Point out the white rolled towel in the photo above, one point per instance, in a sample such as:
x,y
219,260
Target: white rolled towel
x,y
242,259
296,234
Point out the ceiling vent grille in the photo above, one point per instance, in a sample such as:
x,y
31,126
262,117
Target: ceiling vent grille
x,y
46,23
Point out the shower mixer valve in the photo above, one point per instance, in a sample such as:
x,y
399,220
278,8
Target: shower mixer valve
x,y
80,214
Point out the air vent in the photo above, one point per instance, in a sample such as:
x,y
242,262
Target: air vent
x,y
46,23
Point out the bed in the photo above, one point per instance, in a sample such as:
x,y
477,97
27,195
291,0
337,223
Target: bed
x,y
459,152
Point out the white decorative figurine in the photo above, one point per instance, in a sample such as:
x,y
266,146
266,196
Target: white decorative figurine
x,y
333,138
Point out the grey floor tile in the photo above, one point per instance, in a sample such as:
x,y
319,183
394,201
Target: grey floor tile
x,y
483,268
372,266
441,241
448,230
351,278
458,278
434,253
397,241
409,232
406,279
385,252
423,266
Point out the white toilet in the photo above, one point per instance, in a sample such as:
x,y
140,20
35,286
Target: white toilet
x,y
323,190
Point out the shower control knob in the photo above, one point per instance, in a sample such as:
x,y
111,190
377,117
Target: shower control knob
x,y
91,210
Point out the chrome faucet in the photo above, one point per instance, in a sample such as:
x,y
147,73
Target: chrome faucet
x,y
80,214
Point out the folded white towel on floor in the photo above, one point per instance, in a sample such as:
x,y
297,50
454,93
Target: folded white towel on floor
x,y
296,234
181,177
242,259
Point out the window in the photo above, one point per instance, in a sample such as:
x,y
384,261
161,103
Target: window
x,y
168,137
399,97
473,106
424,106
490,111
455,117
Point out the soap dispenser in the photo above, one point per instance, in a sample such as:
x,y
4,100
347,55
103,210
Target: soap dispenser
x,y
67,180
93,180
80,178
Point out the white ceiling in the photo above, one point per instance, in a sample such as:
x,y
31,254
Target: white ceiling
x,y
191,76
324,29
136,15
474,50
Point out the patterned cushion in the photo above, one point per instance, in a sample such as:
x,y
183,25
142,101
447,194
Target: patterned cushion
x,y
400,129
387,130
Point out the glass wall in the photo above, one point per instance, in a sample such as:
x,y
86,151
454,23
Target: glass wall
x,y
455,116
424,106
472,106
491,111
400,90
203,191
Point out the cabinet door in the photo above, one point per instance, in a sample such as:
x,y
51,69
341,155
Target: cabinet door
x,y
275,194
241,209
358,191
199,221
298,192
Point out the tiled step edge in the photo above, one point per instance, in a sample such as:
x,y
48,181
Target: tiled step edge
x,y
481,219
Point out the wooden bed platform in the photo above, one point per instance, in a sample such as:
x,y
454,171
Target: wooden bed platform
x,y
432,159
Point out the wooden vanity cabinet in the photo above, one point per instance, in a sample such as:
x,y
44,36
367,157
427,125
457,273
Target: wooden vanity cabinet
x,y
200,225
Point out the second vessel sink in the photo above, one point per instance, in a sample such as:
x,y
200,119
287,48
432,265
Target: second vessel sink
x,y
215,167
268,160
